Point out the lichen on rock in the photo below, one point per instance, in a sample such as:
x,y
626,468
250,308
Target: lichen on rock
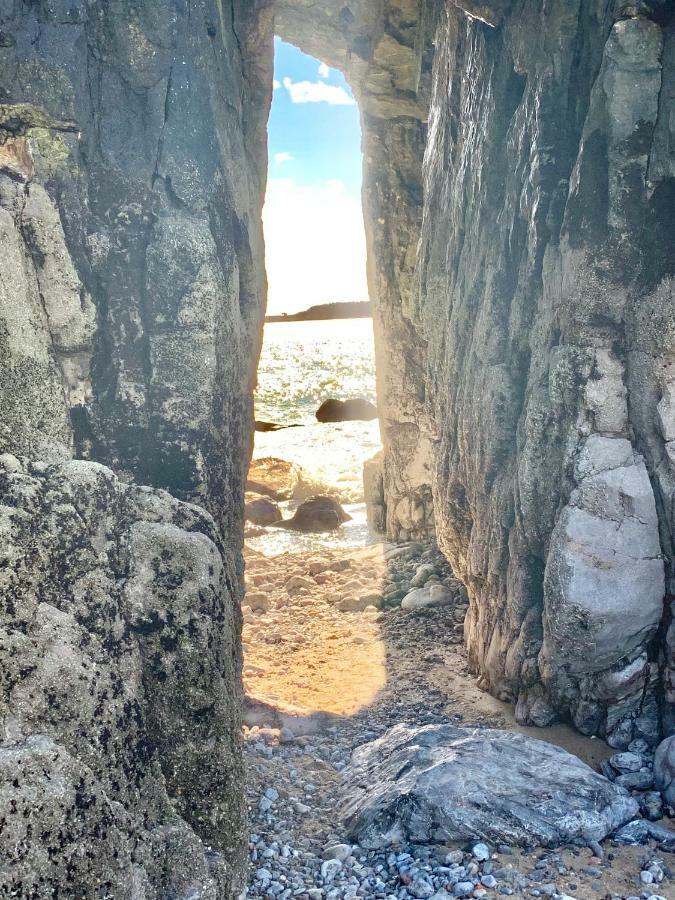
x,y
119,636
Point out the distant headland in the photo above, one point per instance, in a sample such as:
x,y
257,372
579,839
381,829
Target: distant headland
x,y
349,310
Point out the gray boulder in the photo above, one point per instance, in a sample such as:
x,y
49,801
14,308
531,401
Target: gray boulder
x,y
429,595
440,783
664,769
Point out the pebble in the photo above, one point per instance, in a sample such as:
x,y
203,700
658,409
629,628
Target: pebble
x,y
421,889
330,868
340,852
481,851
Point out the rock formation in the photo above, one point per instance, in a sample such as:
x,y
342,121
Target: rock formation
x,y
525,372
116,600
545,293
132,289
443,784
353,409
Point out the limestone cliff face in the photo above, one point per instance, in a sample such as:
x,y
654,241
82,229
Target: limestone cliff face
x,y
132,290
546,296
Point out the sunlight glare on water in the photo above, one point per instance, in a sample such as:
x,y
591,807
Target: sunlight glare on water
x,y
301,365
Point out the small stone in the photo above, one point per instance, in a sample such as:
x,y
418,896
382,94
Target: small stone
x,y
421,889
626,762
330,868
481,852
646,877
10,464
286,736
463,888
651,805
340,852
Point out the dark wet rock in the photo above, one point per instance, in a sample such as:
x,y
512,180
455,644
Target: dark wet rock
x,y
317,514
651,805
352,410
266,427
639,831
442,784
262,511
664,769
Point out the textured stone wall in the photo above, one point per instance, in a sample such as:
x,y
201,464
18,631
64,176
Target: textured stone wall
x,y
545,293
385,51
133,165
120,768
132,291
525,368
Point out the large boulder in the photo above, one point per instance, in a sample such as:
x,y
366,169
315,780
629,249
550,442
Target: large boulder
x,y
120,763
318,514
356,409
439,783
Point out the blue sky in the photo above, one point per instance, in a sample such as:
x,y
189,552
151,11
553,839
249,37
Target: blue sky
x,y
312,217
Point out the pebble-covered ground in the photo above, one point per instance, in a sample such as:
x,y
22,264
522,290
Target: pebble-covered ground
x,y
332,661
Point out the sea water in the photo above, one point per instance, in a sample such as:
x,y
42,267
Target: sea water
x,y
301,365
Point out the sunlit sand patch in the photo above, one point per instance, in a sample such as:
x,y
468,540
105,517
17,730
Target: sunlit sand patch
x,y
330,673
306,652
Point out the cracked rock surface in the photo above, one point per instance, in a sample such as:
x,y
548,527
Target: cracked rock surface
x,y
546,296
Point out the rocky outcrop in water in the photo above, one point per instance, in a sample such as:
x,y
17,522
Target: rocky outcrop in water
x,y
317,514
546,297
354,409
116,600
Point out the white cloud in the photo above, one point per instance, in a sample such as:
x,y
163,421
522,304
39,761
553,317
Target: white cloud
x,y
315,245
318,92
283,157
276,84
324,71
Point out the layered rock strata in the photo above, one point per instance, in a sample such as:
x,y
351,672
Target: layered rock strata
x,y
546,297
